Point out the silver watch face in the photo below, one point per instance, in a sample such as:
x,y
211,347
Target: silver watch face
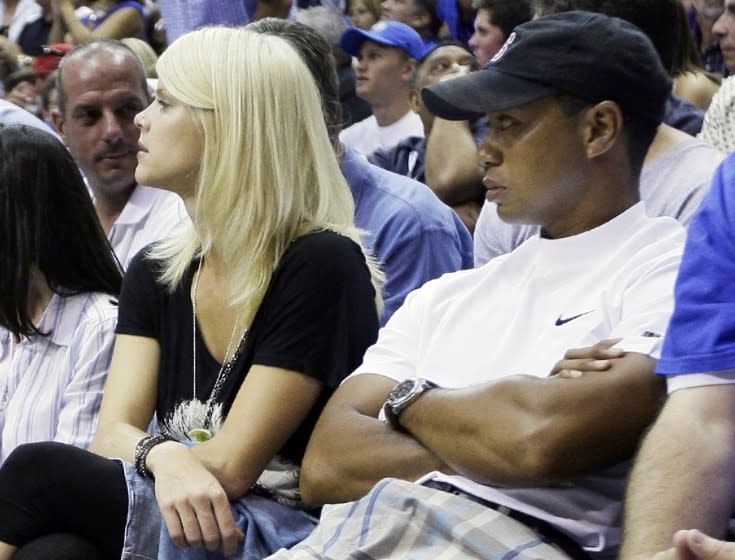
x,y
401,391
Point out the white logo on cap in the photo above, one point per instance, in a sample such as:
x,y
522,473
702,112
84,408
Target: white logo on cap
x,y
504,48
379,26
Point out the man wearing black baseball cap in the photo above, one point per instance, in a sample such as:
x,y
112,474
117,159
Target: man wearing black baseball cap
x,y
678,168
453,436
592,58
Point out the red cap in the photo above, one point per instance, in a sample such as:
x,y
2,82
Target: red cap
x,y
49,61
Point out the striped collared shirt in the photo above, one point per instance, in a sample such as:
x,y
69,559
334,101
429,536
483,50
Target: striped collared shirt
x,y
51,387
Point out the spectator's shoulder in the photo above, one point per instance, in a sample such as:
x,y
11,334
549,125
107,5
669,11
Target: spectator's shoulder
x,y
85,316
396,159
101,308
322,250
399,197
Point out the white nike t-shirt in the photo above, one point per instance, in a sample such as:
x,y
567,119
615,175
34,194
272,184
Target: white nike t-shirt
x,y
519,313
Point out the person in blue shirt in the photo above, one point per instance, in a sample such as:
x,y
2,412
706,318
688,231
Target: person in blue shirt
x,y
445,158
413,235
685,472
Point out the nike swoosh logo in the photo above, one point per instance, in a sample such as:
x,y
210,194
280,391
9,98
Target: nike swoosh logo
x,y
560,321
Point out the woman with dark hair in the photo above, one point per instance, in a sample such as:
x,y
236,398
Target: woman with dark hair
x,y
233,333
58,284
691,80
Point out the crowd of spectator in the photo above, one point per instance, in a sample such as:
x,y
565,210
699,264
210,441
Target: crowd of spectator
x,y
331,279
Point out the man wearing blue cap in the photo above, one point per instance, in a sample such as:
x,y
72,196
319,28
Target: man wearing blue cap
x,y
386,56
452,435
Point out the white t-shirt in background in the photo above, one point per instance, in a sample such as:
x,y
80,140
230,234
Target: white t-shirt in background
x,y
366,136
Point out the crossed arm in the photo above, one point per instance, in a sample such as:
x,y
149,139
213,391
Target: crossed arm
x,y
685,471
194,486
520,430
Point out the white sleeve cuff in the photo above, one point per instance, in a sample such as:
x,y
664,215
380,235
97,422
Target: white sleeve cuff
x,y
690,380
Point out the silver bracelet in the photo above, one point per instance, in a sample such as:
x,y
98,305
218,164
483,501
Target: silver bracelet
x,y
144,447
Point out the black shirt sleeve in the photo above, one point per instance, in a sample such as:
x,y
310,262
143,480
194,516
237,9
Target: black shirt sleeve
x,y
318,316
139,299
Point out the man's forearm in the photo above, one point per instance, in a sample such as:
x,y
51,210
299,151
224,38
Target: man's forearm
x,y
525,430
377,451
684,476
350,450
452,170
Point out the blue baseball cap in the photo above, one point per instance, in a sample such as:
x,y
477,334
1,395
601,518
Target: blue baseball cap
x,y
388,33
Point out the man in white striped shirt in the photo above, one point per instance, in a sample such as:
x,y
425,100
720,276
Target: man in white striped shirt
x,y
102,85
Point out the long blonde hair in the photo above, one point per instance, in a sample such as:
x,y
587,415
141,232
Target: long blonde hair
x,y
268,173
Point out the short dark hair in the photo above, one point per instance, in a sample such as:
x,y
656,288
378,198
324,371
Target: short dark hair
x,y
91,49
686,57
429,6
506,14
549,7
639,132
18,77
414,84
317,55
656,18
49,222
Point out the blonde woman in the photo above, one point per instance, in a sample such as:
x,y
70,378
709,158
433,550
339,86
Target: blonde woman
x,y
233,334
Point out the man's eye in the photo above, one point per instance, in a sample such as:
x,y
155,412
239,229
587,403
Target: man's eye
x,y
130,111
501,124
505,123
87,118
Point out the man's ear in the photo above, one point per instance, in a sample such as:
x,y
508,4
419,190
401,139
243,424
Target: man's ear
x,y
409,69
414,99
603,126
58,119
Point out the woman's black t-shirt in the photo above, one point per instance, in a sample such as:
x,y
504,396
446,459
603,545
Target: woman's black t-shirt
x,y
318,317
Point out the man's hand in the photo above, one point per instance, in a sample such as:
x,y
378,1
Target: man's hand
x,y
694,545
690,544
578,361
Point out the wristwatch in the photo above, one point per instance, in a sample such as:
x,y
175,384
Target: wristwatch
x,y
401,397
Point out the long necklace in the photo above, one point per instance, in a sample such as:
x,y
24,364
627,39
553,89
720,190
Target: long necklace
x,y
204,433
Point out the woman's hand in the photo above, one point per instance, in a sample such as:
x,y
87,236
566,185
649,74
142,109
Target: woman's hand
x,y
192,502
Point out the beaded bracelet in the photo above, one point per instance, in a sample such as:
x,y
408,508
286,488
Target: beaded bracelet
x,y
144,447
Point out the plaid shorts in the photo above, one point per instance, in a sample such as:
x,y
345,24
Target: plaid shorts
x,y
407,521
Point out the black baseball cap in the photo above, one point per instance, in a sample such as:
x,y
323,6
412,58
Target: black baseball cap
x,y
587,55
